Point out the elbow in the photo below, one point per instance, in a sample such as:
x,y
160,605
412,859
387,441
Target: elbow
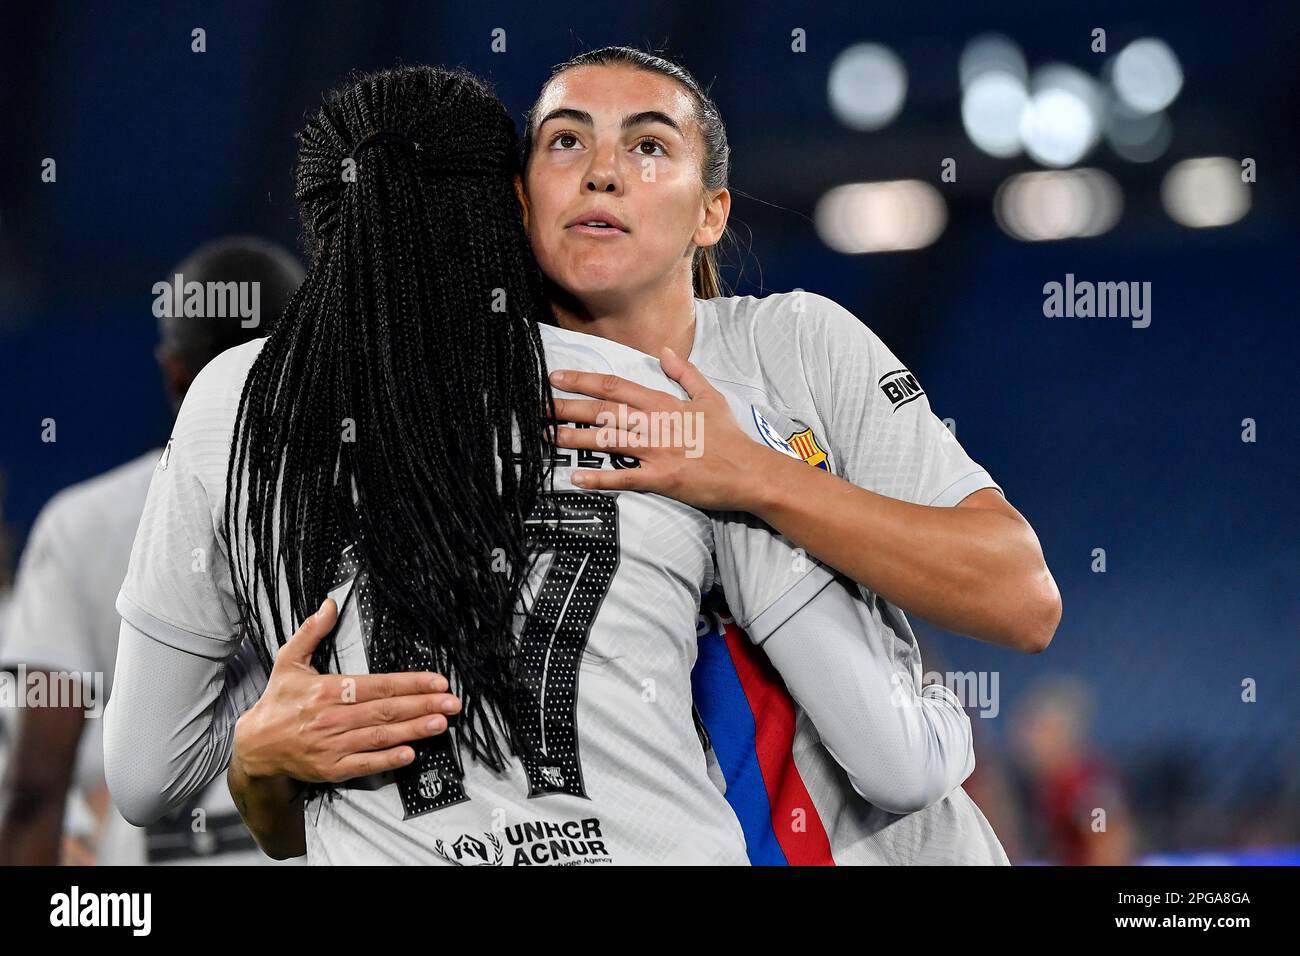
x,y
138,813
907,788
905,794
281,851
139,801
139,805
1038,614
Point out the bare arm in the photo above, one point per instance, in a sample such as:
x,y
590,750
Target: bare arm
x,y
271,806
976,569
36,785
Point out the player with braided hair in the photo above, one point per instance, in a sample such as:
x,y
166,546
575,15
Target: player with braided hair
x,y
420,497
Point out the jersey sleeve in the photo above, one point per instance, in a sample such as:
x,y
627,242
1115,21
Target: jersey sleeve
x,y
170,724
765,577
881,429
178,587
902,746
51,624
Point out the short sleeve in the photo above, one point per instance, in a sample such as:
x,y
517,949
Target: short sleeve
x,y
178,587
51,624
765,578
880,426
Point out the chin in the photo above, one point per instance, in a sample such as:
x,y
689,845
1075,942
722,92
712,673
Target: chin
x,y
594,278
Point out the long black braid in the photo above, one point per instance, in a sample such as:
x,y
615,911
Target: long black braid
x,y
382,408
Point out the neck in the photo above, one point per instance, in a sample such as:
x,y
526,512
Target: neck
x,y
646,320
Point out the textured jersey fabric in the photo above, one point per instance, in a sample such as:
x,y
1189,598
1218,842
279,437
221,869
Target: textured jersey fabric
x,y
828,390
63,619
624,778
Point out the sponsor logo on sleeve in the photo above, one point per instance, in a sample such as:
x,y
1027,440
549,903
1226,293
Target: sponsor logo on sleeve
x,y
900,387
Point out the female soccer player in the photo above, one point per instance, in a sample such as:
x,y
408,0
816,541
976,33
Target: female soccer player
x,y
384,447
626,181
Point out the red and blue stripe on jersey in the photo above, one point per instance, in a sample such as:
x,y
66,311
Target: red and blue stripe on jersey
x,y
750,719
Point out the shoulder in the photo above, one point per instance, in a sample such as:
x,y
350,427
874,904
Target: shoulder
x,y
225,375
782,321
212,401
784,343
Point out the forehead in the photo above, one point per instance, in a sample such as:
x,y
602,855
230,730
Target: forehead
x,y
611,92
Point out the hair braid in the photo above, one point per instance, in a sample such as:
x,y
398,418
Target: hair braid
x,y
393,329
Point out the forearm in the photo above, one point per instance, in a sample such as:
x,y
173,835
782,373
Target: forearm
x,y
272,808
35,789
33,825
970,570
903,747
167,739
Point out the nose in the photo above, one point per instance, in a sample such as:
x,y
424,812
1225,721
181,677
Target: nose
x,y
603,173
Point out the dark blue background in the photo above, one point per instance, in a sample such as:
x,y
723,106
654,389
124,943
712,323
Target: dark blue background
x,y
1103,435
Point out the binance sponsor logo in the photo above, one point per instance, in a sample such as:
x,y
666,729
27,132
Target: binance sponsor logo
x,y
900,387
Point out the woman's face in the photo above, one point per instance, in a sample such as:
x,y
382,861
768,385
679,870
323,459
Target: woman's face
x,y
622,143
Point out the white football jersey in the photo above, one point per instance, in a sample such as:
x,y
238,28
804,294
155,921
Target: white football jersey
x,y
619,774
827,390
63,619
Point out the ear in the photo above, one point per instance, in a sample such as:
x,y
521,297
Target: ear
x,y
714,221
523,199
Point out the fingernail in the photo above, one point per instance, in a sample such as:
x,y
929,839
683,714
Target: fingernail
x,y
450,706
579,478
559,378
438,683
435,725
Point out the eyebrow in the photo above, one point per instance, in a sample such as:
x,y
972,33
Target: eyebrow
x,y
629,121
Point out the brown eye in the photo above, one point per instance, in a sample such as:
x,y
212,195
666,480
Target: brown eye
x,y
653,146
568,140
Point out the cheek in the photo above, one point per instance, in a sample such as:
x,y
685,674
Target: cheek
x,y
670,206
541,217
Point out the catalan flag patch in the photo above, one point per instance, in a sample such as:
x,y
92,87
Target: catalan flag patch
x,y
805,446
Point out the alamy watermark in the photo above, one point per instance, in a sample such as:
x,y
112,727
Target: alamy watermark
x,y
975,690
21,688
1103,300
653,429
209,300
133,911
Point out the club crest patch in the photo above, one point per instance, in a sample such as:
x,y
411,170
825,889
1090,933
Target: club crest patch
x,y
805,446
802,445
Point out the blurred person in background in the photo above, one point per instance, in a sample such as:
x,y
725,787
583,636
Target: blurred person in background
x,y
992,784
54,804
6,593
1079,809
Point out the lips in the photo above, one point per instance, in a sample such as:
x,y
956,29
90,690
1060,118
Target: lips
x,y
596,222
